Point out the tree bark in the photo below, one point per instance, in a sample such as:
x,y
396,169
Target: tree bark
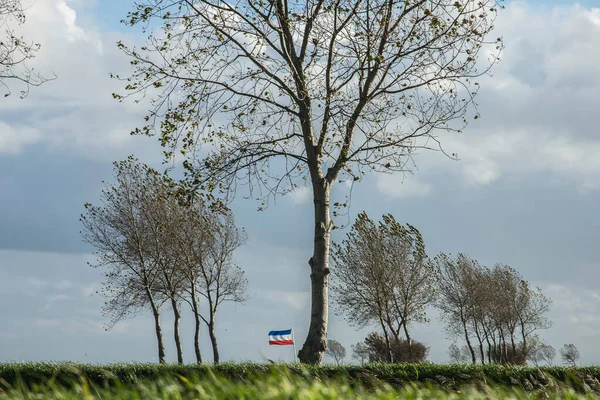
x,y
213,339
177,315
315,344
157,328
408,339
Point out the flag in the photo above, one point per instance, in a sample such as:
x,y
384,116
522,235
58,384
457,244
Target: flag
x,y
281,337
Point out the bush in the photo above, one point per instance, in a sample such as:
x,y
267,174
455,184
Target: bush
x,y
401,350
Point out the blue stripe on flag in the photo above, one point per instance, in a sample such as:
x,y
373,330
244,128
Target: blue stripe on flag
x,y
279,333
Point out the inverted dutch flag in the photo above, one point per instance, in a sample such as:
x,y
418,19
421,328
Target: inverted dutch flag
x,y
281,337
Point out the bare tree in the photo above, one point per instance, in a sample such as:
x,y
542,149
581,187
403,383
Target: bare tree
x,y
161,209
547,354
539,352
336,351
569,354
382,276
455,294
117,230
221,279
15,51
307,92
162,248
192,230
360,352
459,354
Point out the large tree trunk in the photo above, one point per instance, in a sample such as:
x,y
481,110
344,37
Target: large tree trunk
x,y
196,310
213,338
157,328
177,315
315,344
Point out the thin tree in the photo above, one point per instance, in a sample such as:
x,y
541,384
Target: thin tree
x,y
219,278
454,277
382,276
360,352
336,351
192,230
540,352
458,354
161,209
547,354
117,230
490,308
311,92
570,354
16,51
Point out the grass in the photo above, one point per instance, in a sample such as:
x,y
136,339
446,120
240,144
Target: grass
x,y
260,381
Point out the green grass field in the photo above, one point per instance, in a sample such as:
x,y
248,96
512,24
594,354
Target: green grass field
x,y
261,381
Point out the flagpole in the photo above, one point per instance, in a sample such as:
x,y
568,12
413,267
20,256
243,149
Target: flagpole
x,y
294,342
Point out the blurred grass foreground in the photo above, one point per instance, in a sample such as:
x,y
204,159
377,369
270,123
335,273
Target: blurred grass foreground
x,y
277,381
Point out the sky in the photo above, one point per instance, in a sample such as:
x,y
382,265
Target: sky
x,y
525,192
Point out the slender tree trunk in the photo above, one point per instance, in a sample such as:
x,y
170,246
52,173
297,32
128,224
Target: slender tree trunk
x,y
408,339
471,350
524,337
504,347
315,344
213,338
157,328
489,345
386,336
495,348
513,344
196,310
480,340
177,315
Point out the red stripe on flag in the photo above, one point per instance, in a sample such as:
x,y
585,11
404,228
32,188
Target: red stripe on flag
x,y
281,342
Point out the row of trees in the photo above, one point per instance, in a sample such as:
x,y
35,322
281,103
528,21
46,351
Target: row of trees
x,y
270,95
157,248
383,277
372,350
539,353
494,309
289,93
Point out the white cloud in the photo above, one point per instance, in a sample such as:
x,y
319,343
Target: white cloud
x,y
403,186
63,325
302,195
539,109
14,138
296,300
76,112
70,17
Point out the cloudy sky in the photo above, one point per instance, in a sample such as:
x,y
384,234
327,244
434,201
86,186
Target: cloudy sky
x,y
526,192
